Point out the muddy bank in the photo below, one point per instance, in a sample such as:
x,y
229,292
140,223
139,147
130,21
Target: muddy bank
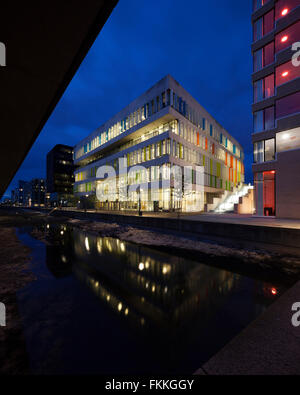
x,y
14,275
18,217
270,266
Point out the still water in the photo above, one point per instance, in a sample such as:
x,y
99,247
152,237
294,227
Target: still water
x,y
100,305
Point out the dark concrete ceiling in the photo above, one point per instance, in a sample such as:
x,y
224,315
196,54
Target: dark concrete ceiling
x,y
46,42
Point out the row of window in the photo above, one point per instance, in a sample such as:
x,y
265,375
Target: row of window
x,y
224,180
177,150
266,23
166,98
265,87
264,151
265,119
266,55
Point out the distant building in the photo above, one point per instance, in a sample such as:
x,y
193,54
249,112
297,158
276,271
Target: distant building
x,y
60,174
13,196
23,193
276,107
38,192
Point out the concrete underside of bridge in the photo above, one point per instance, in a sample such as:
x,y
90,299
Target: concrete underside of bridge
x,y
45,44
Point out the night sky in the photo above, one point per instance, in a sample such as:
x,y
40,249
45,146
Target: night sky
x,y
204,45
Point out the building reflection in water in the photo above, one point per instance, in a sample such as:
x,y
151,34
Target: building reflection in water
x,y
169,303
151,287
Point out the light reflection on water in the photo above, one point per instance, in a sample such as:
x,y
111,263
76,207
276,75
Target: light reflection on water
x,y
145,310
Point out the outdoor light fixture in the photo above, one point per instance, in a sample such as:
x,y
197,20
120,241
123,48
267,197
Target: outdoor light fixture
x,y
274,291
120,306
284,39
285,74
284,11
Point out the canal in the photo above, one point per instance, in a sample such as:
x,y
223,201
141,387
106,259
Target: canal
x,y
103,306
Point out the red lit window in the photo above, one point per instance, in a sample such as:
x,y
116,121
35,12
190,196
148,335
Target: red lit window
x,y
269,54
284,7
287,37
198,138
268,22
269,86
288,105
286,72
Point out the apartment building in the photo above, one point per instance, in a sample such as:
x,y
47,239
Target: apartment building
x,y
164,127
276,107
60,175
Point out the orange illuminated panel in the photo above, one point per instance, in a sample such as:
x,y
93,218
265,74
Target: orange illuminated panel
x,y
206,144
198,138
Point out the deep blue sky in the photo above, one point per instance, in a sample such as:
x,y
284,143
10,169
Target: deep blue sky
x,y
204,45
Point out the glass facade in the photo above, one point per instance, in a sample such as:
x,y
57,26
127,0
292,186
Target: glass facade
x,y
288,105
189,140
284,33
286,73
287,37
288,139
263,120
264,151
284,7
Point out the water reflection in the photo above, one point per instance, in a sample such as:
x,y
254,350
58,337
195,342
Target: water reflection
x,y
102,305
148,287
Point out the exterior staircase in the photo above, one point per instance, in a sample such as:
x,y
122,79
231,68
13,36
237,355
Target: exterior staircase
x,y
228,200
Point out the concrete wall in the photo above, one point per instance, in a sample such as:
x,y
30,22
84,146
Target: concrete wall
x,y
288,184
246,205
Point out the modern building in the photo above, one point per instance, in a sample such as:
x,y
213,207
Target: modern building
x,y
29,193
164,127
276,107
38,192
22,193
60,174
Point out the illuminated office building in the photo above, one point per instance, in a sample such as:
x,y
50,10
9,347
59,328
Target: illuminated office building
x,y
164,127
276,107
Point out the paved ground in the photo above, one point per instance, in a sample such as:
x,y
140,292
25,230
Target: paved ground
x,y
221,218
247,220
268,346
